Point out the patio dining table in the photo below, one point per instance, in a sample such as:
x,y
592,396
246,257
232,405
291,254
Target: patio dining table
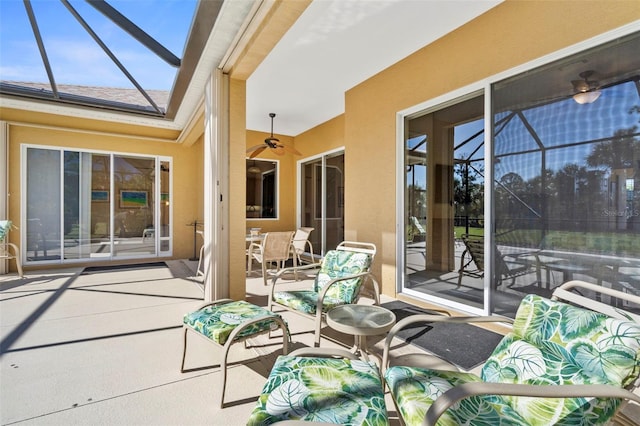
x,y
612,269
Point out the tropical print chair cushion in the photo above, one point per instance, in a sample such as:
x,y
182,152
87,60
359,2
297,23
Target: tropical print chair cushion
x,y
305,301
5,227
551,343
559,344
217,322
328,390
415,389
335,264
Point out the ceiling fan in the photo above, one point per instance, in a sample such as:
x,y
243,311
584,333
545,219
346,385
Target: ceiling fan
x,y
587,89
271,143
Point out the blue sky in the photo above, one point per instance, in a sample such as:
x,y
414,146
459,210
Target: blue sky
x,y
76,58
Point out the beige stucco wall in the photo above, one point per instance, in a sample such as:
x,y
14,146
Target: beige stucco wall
x,y
187,171
511,34
237,188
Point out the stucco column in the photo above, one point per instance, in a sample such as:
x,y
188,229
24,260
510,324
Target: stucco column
x,y
216,182
4,180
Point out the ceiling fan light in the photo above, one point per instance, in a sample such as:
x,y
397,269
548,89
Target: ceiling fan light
x,y
254,169
586,97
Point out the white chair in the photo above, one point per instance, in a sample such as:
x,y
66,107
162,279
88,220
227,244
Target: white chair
x,y
7,247
299,245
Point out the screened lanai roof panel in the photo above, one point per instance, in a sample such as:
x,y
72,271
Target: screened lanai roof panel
x,y
107,63
567,122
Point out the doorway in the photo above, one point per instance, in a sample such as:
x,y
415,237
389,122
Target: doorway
x,y
444,201
322,200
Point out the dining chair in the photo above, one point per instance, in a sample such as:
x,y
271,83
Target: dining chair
x,y
6,247
274,249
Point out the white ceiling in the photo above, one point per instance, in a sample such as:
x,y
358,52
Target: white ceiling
x,y
337,44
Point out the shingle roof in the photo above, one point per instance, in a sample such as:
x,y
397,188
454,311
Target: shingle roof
x,y
104,96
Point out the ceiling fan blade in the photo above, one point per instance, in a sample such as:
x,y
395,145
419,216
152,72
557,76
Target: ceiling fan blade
x,y
258,151
253,148
278,150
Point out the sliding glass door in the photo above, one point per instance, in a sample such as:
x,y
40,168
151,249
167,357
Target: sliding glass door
x,y
84,205
561,169
322,200
444,201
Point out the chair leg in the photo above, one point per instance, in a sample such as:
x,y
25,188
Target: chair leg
x,y
223,371
16,257
264,272
316,342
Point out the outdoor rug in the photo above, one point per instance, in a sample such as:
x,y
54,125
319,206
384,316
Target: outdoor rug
x,y
464,345
109,268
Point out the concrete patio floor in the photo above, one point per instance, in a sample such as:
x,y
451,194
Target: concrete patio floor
x,y
104,348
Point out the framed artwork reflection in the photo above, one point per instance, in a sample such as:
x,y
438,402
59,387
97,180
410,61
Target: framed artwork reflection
x,y
100,196
133,199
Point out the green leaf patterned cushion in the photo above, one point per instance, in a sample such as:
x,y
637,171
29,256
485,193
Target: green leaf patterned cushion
x,y
557,343
335,264
329,390
5,227
217,322
551,343
305,301
339,263
415,389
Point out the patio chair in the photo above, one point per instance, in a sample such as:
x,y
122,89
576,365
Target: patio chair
x,y
275,248
341,276
419,230
6,248
323,386
225,322
567,360
300,244
510,266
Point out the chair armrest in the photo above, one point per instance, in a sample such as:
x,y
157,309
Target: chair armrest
x,y
565,293
325,353
283,271
455,394
424,318
256,247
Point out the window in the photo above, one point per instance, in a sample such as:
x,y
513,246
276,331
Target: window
x,y
87,205
563,179
566,172
262,185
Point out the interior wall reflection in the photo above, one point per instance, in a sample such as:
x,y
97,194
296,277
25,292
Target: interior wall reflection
x,y
262,189
134,184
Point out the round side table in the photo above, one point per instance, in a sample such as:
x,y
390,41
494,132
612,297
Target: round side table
x,y
361,321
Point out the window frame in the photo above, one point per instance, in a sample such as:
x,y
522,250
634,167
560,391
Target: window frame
x,y
157,159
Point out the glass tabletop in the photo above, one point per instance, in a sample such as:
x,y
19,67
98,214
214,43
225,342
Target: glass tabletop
x,y
361,319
